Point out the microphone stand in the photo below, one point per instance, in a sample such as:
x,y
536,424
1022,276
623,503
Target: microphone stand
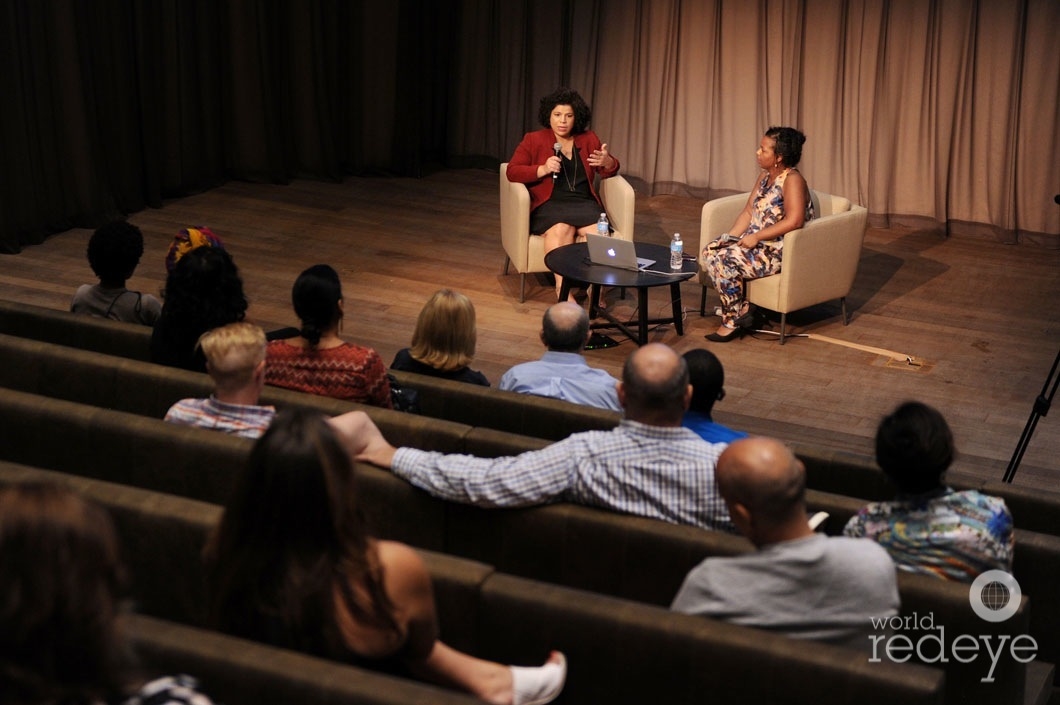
x,y
1040,409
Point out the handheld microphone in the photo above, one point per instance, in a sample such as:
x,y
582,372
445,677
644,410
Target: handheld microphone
x,y
557,149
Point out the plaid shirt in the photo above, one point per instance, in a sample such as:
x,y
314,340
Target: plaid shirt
x,y
238,419
653,471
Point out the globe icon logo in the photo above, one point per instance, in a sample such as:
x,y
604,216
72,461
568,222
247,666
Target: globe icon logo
x,y
995,596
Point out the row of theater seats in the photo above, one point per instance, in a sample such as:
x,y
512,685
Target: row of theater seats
x,y
630,558
839,472
620,651
561,544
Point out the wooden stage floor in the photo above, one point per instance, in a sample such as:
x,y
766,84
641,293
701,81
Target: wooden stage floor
x,y
980,320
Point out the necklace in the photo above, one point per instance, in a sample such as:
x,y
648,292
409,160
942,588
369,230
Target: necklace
x,y
566,177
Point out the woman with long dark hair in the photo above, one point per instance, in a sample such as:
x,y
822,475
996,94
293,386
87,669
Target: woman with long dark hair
x,y
61,579
292,565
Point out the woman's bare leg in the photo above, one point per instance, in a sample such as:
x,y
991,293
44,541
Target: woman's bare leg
x,y
580,237
558,235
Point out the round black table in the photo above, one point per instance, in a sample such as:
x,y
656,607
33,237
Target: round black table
x,y
572,263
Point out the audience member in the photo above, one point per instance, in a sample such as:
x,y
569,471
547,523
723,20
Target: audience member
x,y
235,360
799,583
291,564
648,465
61,639
929,528
443,344
562,372
317,360
190,239
708,386
203,292
114,250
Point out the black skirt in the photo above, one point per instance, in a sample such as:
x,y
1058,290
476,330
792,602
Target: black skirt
x,y
572,202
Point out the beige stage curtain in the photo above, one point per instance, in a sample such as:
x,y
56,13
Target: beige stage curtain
x,y
937,113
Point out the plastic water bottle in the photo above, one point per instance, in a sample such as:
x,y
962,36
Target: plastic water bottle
x,y
602,226
677,251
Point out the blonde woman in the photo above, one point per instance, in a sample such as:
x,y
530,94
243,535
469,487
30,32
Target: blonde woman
x,y
443,344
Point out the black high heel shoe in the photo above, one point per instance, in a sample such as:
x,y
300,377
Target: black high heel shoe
x,y
715,338
747,320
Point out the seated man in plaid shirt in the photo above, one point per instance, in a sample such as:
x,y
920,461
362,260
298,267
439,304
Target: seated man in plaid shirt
x,y
648,465
235,360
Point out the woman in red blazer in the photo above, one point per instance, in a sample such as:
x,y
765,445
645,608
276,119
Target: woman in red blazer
x,y
559,164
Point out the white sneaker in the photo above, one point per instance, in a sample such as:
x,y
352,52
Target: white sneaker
x,y
540,685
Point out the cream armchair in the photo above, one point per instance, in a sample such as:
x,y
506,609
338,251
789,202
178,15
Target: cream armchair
x,y
526,251
820,259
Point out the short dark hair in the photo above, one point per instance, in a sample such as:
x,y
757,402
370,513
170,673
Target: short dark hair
x,y
564,338
583,115
114,250
707,378
316,295
789,143
914,447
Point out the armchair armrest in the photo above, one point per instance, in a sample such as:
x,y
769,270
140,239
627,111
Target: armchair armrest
x,y
718,216
515,220
619,201
821,259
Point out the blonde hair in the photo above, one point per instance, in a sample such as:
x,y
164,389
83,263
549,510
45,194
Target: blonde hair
x,y
445,333
233,352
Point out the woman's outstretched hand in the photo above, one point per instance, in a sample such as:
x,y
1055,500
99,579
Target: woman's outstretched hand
x,y
601,158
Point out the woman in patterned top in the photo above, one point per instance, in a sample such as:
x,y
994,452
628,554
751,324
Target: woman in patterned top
x,y
291,564
779,203
317,360
930,528
60,576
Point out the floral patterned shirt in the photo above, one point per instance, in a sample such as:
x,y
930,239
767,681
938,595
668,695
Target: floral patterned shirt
x,y
767,207
948,534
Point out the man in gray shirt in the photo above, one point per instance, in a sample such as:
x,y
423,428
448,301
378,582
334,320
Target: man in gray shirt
x,y
562,372
799,583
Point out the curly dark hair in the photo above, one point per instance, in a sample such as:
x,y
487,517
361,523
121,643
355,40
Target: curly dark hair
x,y
914,447
205,287
583,115
789,144
316,295
114,250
